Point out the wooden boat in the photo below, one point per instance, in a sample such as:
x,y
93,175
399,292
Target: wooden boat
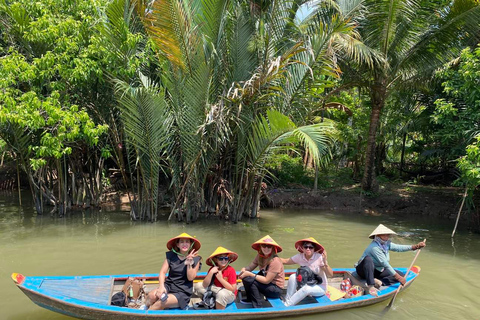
x,y
88,297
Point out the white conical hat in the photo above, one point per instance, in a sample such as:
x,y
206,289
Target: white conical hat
x,y
381,229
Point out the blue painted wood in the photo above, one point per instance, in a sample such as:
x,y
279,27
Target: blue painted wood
x,y
89,290
87,297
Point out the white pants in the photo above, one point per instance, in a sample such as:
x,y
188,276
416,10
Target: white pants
x,y
294,296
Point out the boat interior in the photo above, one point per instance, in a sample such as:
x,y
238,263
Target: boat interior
x,y
334,291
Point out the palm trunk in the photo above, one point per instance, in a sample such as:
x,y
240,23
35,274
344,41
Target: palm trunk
x,y
402,157
378,93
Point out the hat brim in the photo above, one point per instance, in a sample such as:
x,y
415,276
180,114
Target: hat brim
x,y
256,246
372,236
232,256
318,247
172,242
381,229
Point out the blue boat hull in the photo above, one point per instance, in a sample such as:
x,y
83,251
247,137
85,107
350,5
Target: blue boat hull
x,y
88,297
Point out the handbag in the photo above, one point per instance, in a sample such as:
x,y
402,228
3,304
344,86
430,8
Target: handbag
x,y
134,290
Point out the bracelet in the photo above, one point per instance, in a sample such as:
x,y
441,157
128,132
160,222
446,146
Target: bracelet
x,y
255,277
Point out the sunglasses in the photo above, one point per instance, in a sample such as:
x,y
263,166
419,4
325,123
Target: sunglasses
x,y
308,247
266,246
222,258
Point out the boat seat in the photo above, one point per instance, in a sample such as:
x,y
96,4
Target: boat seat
x,y
239,305
355,279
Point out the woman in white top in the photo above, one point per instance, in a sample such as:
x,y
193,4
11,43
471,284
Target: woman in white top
x,y
312,255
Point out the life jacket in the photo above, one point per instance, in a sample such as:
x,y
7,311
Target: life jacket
x,y
305,276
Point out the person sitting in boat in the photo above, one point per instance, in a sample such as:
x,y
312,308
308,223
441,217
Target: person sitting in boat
x,y
314,256
182,264
223,276
270,279
374,265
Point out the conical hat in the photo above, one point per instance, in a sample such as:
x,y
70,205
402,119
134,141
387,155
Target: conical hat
x,y
381,229
318,247
222,251
171,242
266,240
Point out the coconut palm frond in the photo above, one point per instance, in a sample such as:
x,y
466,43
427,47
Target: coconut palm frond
x,y
276,131
351,8
278,19
437,45
169,25
317,140
210,18
242,60
118,25
146,127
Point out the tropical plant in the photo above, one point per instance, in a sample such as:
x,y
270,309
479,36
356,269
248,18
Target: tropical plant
x,y
227,74
415,38
47,72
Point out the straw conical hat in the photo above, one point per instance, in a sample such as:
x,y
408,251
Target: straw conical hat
x,y
266,240
318,247
222,251
171,243
381,229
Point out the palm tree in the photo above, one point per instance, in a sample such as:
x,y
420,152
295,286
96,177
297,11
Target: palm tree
x,y
414,38
228,72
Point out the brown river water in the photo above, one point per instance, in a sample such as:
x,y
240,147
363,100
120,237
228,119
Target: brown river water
x,y
107,242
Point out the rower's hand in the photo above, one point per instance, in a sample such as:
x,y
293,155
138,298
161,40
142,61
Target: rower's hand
x,y
219,275
213,270
419,245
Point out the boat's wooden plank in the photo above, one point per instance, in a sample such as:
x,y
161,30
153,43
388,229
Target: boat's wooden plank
x,y
112,284
89,290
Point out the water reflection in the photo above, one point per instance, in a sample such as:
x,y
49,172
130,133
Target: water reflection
x,y
106,242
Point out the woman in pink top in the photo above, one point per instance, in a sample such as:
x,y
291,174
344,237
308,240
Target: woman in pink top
x,y
312,255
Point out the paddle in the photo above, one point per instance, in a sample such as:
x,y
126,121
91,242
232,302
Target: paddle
x,y
408,271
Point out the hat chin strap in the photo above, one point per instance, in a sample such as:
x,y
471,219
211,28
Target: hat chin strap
x,y
188,251
221,269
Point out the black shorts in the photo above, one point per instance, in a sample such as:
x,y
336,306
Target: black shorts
x,y
182,298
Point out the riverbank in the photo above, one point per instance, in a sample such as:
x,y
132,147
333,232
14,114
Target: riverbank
x,y
397,199
392,199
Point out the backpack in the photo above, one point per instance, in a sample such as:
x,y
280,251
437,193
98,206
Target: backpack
x,y
119,299
305,276
208,299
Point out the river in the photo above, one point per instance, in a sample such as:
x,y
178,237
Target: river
x,y
107,242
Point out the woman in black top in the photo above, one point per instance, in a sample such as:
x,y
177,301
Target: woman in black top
x,y
182,265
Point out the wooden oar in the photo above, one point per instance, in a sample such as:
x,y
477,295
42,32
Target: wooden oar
x,y
408,271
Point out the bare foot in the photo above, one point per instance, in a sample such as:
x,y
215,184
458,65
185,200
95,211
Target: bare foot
x,y
373,291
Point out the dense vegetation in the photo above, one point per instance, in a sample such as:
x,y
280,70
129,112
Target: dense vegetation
x,y
214,98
